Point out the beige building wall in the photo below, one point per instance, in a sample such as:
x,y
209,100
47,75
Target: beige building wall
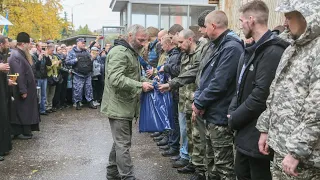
x,y
231,7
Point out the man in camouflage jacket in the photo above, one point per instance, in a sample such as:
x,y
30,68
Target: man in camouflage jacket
x,y
291,123
185,82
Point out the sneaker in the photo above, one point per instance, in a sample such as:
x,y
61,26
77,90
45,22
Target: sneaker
x,y
95,103
92,106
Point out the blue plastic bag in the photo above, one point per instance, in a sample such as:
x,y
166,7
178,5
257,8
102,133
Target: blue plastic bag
x,y
156,111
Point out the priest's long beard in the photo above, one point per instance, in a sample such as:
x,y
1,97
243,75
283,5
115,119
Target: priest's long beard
x,y
25,49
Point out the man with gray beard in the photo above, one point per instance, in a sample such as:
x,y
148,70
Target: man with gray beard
x,y
120,102
25,109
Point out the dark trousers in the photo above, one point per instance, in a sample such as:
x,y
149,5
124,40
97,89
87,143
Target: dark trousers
x,y
61,92
248,168
57,94
69,96
97,88
174,135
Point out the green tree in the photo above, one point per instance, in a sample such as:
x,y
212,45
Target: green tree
x,y
84,30
38,18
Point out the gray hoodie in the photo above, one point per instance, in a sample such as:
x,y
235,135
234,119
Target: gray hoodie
x,y
292,117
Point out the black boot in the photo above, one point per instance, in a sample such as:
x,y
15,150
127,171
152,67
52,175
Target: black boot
x,y
159,138
78,107
170,152
166,147
92,106
197,176
189,169
156,134
163,142
180,163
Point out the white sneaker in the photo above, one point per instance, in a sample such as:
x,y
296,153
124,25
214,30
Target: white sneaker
x,y
95,103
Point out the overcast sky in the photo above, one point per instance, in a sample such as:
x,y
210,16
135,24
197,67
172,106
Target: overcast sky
x,y
95,13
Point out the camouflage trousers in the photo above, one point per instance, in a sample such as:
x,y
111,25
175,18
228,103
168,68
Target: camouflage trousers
x,y
305,172
196,142
219,151
80,85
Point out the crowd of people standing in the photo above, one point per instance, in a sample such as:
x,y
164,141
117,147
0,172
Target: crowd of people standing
x,y
48,78
237,104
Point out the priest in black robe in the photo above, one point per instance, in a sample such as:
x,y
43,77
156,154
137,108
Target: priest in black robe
x,y
25,112
5,136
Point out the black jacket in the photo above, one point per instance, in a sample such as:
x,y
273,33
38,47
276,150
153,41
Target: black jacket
x,y
172,66
249,102
216,86
39,67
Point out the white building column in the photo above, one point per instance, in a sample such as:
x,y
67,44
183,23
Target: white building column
x,y
159,17
129,14
121,18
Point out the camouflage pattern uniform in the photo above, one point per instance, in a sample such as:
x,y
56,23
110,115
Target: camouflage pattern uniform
x,y
199,133
292,117
81,83
195,131
219,138
162,59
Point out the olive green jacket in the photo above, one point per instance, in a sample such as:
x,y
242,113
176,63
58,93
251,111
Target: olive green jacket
x,y
122,83
186,79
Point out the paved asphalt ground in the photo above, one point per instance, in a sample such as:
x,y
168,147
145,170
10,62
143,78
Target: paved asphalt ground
x,y
74,145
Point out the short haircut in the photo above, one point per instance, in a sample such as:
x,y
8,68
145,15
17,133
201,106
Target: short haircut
x,y
258,9
187,33
174,29
38,44
218,17
162,33
167,39
202,18
152,31
51,46
3,39
134,29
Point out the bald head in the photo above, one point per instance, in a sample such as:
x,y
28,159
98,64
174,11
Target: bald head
x,y
187,33
187,41
161,34
217,17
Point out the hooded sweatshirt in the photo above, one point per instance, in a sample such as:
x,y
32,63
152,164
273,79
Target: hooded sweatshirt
x,y
292,117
